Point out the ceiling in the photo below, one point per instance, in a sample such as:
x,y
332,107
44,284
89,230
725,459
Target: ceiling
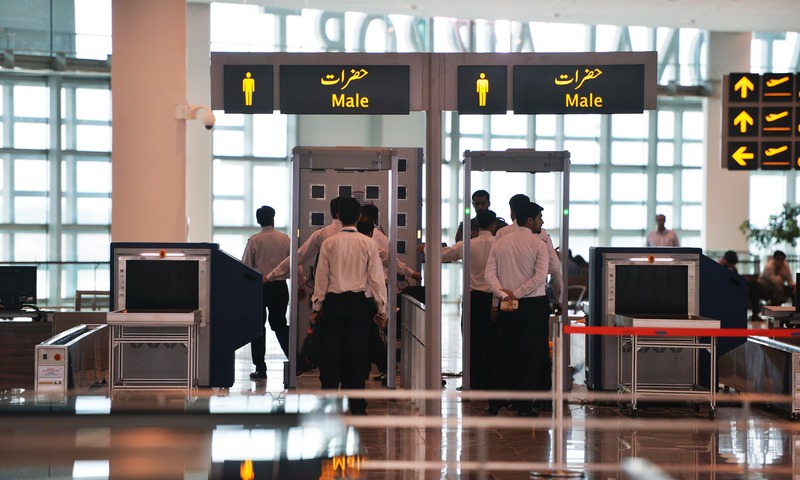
x,y
712,15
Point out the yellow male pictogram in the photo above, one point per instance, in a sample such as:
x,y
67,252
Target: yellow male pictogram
x,y
482,87
248,87
246,469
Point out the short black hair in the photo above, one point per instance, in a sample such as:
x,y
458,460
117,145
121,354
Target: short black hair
x,y
526,211
480,193
371,210
778,254
349,210
365,224
485,218
518,200
265,216
731,257
335,206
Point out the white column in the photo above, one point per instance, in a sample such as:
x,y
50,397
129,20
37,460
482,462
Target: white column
x,y
198,139
148,72
727,193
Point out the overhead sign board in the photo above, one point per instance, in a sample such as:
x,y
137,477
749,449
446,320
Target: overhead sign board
x,y
571,89
761,125
248,89
482,89
344,89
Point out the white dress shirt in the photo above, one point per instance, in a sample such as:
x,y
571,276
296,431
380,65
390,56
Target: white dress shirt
x,y
553,265
518,263
479,248
349,262
266,249
307,251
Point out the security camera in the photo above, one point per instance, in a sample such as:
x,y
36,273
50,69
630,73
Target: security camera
x,y
189,112
209,119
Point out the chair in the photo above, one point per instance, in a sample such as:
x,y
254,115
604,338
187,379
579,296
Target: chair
x,y
575,296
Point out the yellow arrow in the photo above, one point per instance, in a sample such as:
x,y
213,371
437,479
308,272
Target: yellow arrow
x,y
742,120
741,155
771,152
744,84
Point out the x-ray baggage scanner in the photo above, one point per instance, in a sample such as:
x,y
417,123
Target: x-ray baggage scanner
x,y
523,161
390,179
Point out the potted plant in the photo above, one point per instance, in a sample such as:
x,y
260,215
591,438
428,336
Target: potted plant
x,y
781,229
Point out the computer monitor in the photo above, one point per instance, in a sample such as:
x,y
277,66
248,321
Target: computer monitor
x,y
162,285
17,286
796,292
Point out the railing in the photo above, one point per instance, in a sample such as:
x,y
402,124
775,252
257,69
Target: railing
x,y
412,375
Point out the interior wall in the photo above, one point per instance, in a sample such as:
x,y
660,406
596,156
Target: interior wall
x,y
148,143
727,193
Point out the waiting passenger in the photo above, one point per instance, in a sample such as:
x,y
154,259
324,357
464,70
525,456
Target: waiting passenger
x,y
480,202
661,236
729,260
775,283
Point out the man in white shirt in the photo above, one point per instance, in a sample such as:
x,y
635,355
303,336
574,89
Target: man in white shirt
x,y
310,248
263,252
349,265
517,270
554,265
661,236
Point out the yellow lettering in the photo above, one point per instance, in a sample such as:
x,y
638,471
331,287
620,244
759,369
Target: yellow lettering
x,y
349,101
583,101
339,463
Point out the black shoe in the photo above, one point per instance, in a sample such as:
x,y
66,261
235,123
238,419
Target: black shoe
x,y
527,413
258,374
491,411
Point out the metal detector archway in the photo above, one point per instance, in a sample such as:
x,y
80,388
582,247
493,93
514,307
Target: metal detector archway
x,y
523,161
312,162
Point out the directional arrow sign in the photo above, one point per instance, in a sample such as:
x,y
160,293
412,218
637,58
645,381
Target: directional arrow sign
x,y
742,156
742,122
743,87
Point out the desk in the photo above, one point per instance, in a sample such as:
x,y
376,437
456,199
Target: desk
x,y
694,344
134,332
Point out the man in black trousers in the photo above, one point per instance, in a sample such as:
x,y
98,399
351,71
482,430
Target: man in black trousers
x,y
517,273
349,265
263,252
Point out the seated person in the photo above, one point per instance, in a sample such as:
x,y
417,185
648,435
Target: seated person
x,y
729,260
775,284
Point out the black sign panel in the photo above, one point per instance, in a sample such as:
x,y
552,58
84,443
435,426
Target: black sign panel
x,y
776,155
345,89
248,89
777,121
777,87
744,88
762,111
743,122
571,89
742,155
482,89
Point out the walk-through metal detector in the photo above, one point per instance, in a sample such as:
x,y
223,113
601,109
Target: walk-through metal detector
x,y
524,161
389,178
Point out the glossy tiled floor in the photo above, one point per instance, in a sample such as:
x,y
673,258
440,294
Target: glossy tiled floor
x,y
160,436
598,440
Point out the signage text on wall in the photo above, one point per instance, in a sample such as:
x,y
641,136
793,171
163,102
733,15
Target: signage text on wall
x,y
571,89
344,89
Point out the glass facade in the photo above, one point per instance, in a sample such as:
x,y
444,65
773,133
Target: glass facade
x,y
55,136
